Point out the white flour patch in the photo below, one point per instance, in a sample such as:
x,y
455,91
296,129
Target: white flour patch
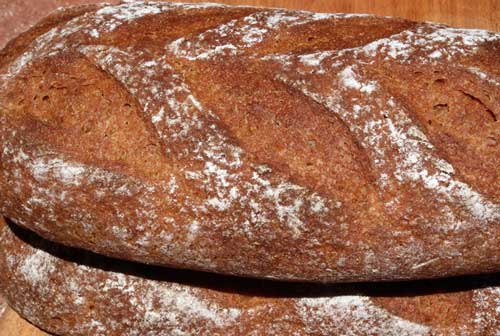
x,y
361,317
428,43
3,307
484,76
351,80
314,60
37,267
67,173
186,302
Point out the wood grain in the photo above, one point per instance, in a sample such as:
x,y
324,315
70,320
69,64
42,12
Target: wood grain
x,y
11,324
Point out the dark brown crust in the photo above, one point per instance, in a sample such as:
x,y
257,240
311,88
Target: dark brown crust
x,y
223,145
71,292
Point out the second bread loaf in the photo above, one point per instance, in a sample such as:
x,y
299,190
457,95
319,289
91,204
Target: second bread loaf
x,y
70,292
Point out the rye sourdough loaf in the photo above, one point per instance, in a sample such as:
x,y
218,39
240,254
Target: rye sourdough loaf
x,y
71,292
257,142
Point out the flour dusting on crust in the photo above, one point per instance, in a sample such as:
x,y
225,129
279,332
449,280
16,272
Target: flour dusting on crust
x,y
178,116
382,122
220,209
245,33
331,315
150,307
37,268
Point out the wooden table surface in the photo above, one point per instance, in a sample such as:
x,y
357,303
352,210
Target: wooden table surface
x,y
17,15
11,324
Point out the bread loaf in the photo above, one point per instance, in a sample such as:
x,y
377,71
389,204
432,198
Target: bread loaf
x,y
257,142
70,292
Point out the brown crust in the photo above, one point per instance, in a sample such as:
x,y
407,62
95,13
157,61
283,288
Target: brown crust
x,y
235,143
71,292
17,46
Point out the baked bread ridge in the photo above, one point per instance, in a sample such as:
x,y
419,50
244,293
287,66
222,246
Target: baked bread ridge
x,y
70,292
191,146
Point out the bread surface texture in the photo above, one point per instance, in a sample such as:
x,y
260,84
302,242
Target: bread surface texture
x,y
258,142
72,292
